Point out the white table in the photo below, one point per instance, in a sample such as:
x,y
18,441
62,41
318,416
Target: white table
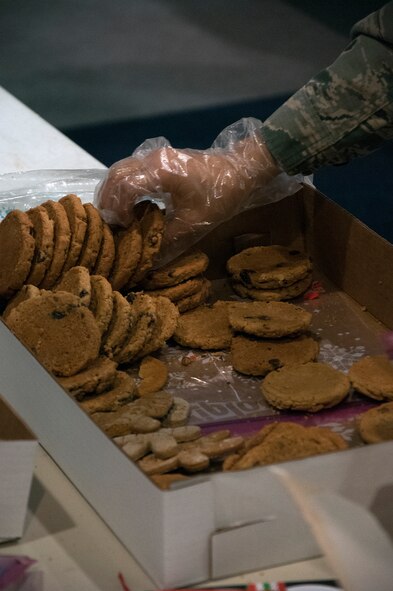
x,y
72,545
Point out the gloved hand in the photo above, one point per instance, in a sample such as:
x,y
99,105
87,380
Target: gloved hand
x,y
199,189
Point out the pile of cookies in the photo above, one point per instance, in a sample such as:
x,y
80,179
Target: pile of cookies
x,y
270,273
40,245
182,281
83,329
262,336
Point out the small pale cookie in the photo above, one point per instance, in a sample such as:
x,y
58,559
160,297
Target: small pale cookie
x,y
376,425
122,392
153,374
181,269
98,376
62,238
178,414
310,387
101,301
163,445
152,465
44,244
25,293
268,319
268,266
93,238
373,376
106,254
198,298
206,327
285,441
257,357
77,281
59,330
77,219
152,227
135,445
128,250
17,245
288,292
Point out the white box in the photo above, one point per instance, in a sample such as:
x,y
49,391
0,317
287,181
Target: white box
x,y
17,451
225,523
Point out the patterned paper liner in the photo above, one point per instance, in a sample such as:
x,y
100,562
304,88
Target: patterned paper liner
x,y
220,397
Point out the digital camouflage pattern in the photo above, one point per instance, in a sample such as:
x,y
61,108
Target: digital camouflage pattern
x,y
343,112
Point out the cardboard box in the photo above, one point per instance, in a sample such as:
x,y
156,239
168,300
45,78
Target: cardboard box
x,y
225,523
17,451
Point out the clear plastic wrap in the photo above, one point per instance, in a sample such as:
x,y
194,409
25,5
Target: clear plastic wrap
x,y
23,190
199,189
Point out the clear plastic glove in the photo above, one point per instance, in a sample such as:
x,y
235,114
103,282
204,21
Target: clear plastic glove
x,y
199,189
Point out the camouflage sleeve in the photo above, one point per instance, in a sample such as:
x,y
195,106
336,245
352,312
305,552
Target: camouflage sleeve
x,y
346,110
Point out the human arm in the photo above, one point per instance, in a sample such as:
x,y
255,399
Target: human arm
x,y
346,110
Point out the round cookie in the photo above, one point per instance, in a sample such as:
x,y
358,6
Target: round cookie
x,y
106,255
120,325
77,281
59,330
77,219
25,293
97,377
121,393
373,376
128,246
182,290
206,327
196,299
145,313
268,319
376,425
167,317
101,301
152,227
268,266
93,237
62,238
17,245
44,244
257,357
309,387
283,442
288,292
181,269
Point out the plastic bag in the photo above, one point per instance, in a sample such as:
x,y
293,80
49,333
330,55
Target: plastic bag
x,y
198,189
23,190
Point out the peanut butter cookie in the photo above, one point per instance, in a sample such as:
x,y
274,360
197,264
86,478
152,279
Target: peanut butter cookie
x,y
206,327
376,425
373,376
310,387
